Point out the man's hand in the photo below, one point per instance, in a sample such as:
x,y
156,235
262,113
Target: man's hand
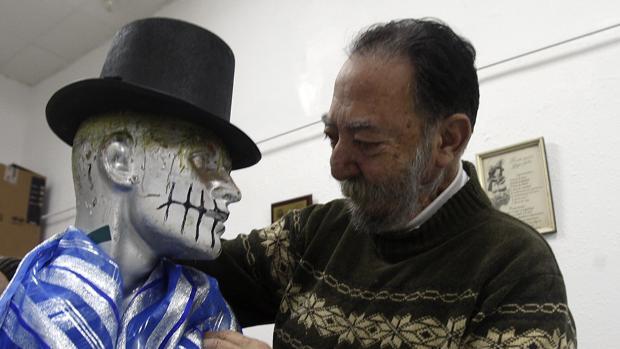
x,y
4,282
231,340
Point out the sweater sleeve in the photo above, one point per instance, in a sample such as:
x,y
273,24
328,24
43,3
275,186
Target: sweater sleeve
x,y
529,313
254,270
8,266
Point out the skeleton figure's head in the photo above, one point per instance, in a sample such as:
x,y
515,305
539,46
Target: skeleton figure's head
x,y
166,181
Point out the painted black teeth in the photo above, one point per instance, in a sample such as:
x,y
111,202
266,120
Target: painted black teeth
x,y
217,214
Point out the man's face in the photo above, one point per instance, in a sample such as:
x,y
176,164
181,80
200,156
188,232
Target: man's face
x,y
180,202
379,151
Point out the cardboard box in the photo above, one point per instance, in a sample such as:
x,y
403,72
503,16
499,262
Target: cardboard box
x,y
21,202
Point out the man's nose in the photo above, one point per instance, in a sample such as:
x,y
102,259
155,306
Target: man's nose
x,y
342,161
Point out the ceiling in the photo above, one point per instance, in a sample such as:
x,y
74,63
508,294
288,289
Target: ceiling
x,y
40,37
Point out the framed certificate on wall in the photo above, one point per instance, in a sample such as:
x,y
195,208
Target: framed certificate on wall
x,y
279,209
516,179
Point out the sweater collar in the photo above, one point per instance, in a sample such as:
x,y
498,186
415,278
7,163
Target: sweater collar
x,y
456,215
457,183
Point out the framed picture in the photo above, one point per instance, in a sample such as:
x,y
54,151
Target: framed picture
x,y
516,179
281,208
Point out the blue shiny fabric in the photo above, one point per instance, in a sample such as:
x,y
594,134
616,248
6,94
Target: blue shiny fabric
x,y
67,293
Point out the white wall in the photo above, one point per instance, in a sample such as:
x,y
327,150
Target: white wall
x,y
50,156
288,53
14,113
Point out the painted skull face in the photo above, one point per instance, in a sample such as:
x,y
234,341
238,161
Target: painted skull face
x,y
182,190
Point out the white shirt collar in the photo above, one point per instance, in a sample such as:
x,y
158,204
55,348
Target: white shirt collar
x,y
458,182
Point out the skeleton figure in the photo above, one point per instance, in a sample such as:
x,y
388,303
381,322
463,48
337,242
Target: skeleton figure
x,y
153,148
162,185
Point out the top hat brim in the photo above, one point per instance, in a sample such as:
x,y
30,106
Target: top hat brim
x,y
74,103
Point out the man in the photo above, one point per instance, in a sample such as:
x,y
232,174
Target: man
x,y
152,153
415,256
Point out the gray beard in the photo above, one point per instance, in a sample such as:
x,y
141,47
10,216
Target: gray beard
x,y
391,205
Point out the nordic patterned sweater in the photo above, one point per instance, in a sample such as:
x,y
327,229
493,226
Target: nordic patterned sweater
x,y
470,277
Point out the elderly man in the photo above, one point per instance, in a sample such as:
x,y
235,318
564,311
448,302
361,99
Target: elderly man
x,y
415,256
152,153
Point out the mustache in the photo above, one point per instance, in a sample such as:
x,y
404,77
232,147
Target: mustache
x,y
360,190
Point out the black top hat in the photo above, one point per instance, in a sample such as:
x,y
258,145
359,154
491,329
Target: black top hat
x,y
163,66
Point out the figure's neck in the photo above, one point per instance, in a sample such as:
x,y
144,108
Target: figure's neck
x,y
133,256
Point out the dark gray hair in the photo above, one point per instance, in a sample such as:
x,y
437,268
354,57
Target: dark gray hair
x,y
445,80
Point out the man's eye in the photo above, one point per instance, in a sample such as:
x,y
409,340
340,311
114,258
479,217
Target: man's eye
x,y
363,145
332,139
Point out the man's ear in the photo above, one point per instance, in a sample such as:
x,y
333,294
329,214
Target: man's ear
x,y
454,133
117,159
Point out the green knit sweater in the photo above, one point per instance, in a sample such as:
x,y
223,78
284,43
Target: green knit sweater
x,y
470,277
